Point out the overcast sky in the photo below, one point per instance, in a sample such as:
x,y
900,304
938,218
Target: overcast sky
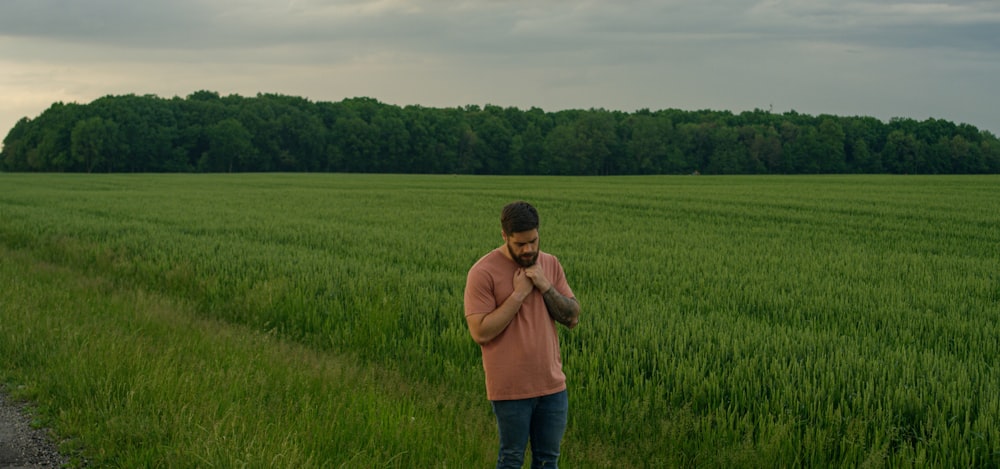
x,y
915,59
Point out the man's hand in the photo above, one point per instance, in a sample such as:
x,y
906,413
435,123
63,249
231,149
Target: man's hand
x,y
523,284
537,276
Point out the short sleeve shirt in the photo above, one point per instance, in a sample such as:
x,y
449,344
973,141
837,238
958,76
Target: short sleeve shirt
x,y
523,361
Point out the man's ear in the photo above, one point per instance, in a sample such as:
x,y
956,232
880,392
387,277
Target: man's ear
x,y
503,235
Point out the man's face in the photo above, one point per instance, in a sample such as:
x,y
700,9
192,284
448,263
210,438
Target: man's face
x,y
523,247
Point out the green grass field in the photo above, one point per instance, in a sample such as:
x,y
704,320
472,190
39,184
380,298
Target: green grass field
x,y
292,320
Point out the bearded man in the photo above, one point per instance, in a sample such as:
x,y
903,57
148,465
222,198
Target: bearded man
x,y
514,296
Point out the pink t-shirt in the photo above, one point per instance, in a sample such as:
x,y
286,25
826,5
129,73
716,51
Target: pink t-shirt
x,y
523,361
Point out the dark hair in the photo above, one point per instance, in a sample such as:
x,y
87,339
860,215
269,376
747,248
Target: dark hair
x,y
517,217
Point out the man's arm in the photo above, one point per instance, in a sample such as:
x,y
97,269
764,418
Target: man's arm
x,y
486,327
565,311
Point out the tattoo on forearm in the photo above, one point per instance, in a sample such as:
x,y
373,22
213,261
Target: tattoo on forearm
x,y
565,311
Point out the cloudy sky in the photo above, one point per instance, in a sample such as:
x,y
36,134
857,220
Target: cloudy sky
x,y
885,58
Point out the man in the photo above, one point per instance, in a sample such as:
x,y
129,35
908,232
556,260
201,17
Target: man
x,y
513,297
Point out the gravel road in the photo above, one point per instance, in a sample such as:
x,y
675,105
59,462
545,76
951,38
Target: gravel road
x,y
22,446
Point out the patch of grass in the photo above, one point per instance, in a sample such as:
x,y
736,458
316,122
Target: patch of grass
x,y
136,379
727,321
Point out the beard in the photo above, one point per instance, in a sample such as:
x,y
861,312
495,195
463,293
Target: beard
x,y
524,260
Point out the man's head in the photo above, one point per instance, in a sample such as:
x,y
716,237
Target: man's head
x,y
519,226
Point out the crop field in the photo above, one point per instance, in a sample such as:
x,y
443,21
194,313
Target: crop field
x,y
298,320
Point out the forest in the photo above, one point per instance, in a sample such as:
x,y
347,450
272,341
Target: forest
x,y
207,132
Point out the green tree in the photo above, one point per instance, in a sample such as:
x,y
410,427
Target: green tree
x,y
287,133
900,154
864,160
358,143
469,153
829,146
989,148
95,142
584,145
229,147
394,141
537,124
493,137
527,149
14,156
764,149
648,147
727,156
421,156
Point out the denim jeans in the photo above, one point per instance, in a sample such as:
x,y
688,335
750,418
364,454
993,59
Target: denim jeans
x,y
542,420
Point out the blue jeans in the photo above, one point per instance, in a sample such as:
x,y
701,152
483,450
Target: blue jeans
x,y
540,419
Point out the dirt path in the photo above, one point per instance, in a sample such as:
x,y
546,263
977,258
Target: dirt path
x,y
22,446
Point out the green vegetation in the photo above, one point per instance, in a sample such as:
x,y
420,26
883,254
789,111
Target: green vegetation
x,y
299,320
208,133
134,379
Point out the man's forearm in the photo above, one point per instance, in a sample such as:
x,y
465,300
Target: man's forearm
x,y
565,311
491,324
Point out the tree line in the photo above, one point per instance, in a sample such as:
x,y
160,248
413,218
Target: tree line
x,y
206,132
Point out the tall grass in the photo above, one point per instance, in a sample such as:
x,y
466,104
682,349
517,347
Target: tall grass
x,y
130,378
739,321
